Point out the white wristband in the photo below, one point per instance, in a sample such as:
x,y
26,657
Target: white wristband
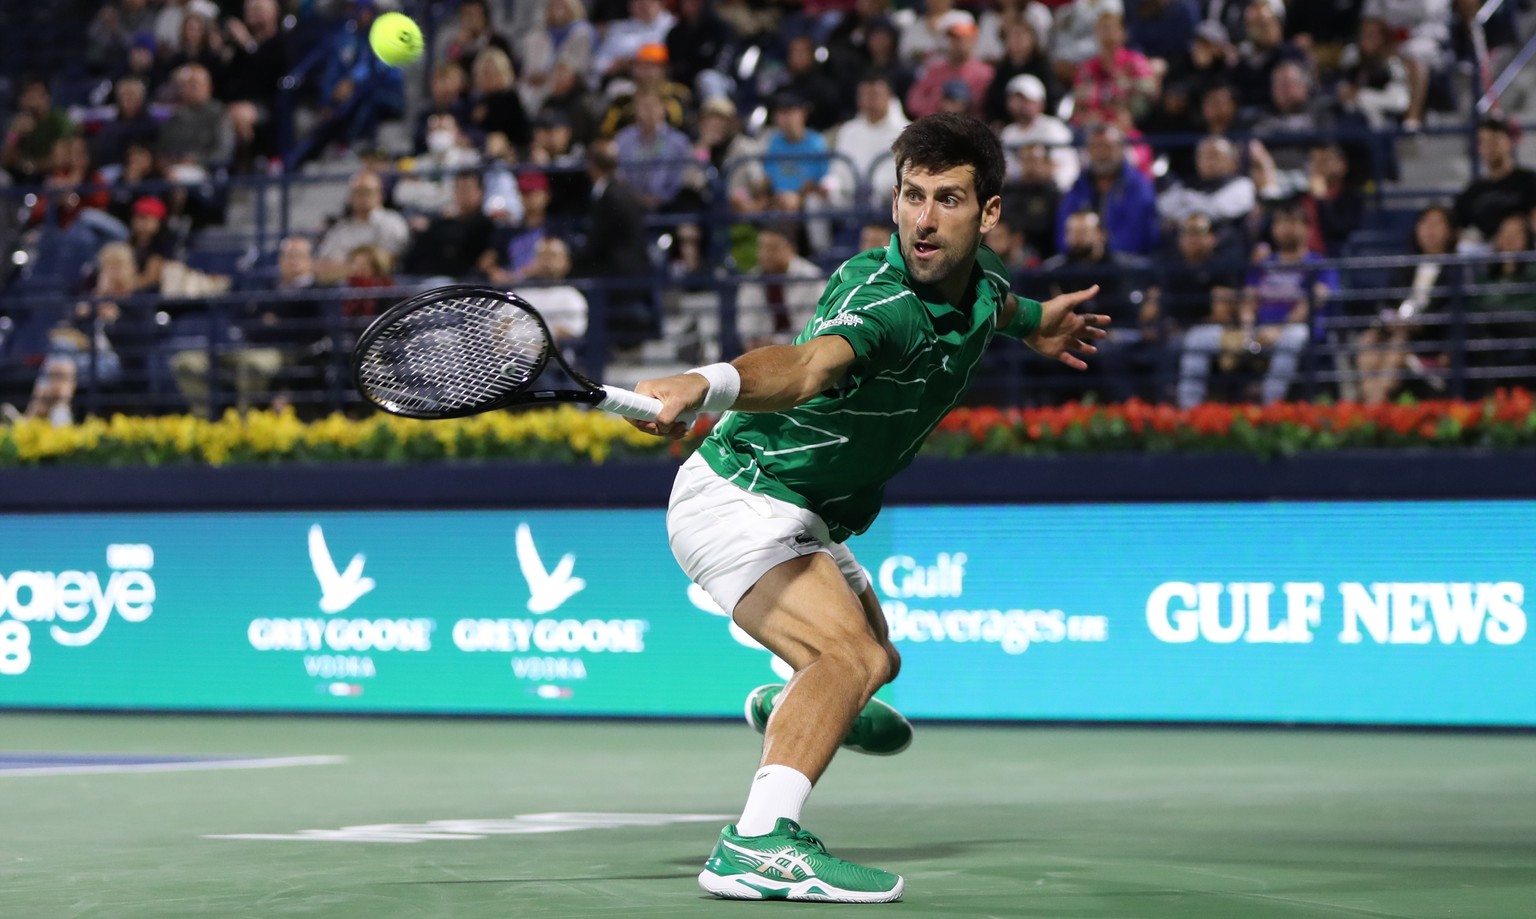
x,y
724,386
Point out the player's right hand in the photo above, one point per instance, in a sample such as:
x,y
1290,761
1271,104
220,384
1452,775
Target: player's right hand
x,y
679,395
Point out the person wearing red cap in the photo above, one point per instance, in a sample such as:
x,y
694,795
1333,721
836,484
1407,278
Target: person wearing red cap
x,y
151,241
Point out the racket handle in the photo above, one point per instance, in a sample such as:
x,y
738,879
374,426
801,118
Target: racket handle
x,y
630,404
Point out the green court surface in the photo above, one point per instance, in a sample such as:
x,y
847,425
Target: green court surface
x,y
1080,823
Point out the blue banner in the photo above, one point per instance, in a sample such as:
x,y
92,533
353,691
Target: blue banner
x,y
1385,612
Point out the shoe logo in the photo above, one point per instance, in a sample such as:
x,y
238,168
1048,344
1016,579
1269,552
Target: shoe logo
x,y
338,589
546,589
783,862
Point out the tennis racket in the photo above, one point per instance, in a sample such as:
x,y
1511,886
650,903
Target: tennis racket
x,y
462,350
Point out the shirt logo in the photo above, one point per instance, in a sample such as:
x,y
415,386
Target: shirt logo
x,y
841,319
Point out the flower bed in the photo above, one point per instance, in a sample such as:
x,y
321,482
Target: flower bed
x,y
1505,420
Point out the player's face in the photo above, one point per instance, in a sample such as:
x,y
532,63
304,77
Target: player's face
x,y
940,221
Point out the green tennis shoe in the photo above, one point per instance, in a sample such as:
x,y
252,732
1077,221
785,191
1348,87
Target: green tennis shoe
x,y
791,864
879,730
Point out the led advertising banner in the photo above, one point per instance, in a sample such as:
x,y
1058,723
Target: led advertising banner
x,y
1309,612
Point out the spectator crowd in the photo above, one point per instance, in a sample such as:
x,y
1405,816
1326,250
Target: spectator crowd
x,y
1201,161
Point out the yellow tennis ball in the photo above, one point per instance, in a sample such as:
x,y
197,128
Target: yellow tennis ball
x,y
396,39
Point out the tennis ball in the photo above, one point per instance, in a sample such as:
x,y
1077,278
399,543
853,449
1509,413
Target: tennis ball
x,y
396,39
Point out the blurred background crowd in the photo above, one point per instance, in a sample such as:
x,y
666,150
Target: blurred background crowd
x,y
203,201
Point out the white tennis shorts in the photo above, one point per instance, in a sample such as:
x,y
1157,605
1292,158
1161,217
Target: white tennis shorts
x,y
726,538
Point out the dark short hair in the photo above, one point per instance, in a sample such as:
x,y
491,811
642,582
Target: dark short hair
x,y
1290,208
935,143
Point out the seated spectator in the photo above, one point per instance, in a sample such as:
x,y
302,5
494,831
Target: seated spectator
x,y
1505,314
1505,187
1286,127
449,150
881,51
254,78
151,242
774,311
927,34
1321,30
111,30
139,167
1011,246
1031,202
53,394
698,48
566,39
1392,350
865,140
268,333
1073,35
197,137
956,98
653,155
957,62
1219,193
1114,76
563,307
86,337
514,250
804,76
79,186
1198,287
494,105
1264,49
649,73
1274,315
791,165
648,24
615,249
1022,55
33,131
1425,46
470,34
1163,30
450,96
452,244
366,222
993,24
1334,203
1374,79
1211,58
1115,190
131,124
555,148
1028,124
201,42
503,200
367,267
874,236
1128,358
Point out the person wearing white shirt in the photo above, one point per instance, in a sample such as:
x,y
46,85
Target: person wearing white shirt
x,y
1219,193
563,307
989,43
367,223
648,24
1030,125
774,311
865,140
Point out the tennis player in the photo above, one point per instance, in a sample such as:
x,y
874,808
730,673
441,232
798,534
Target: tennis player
x,y
812,432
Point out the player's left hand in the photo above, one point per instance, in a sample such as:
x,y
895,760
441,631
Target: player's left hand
x,y
1064,331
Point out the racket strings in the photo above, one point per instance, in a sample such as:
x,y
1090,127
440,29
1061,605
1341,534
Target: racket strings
x,y
454,354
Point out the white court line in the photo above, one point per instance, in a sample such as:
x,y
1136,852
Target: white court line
x,y
274,762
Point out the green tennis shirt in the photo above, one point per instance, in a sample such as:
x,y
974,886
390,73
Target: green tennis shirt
x,y
914,358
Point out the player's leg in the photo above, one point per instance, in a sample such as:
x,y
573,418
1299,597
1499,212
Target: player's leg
x,y
879,729
803,611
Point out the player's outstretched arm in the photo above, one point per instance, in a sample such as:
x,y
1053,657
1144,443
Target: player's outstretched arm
x,y
1065,333
773,379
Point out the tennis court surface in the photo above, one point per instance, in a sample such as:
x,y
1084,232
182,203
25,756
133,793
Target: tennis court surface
x,y
133,816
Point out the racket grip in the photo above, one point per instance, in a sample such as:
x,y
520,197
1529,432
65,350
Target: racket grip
x,y
630,404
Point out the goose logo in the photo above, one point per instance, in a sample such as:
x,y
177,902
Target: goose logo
x,y
547,589
338,589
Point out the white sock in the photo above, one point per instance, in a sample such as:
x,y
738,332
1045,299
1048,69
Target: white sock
x,y
778,791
